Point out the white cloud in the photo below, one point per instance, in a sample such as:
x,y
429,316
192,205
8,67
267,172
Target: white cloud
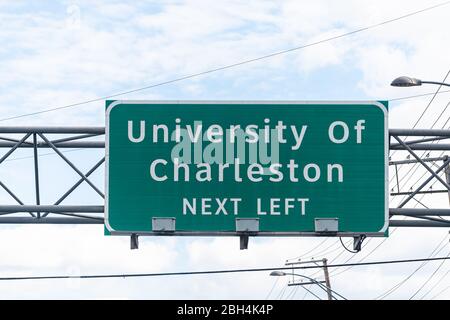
x,y
49,59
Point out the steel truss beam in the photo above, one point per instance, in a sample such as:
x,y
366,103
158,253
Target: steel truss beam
x,y
68,209
93,138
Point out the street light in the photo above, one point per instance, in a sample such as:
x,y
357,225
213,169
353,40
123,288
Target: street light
x,y
277,273
322,286
413,82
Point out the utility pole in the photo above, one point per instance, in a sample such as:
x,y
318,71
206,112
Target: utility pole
x,y
327,278
327,282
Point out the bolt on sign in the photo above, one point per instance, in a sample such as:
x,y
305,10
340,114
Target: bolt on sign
x,y
260,167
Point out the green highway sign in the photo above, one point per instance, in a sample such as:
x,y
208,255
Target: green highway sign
x,y
253,167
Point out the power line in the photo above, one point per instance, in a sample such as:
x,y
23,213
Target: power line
x,y
44,154
417,122
292,293
334,258
295,292
282,291
418,166
190,273
417,181
441,292
439,117
415,166
398,285
273,287
431,101
307,291
345,247
436,284
309,251
429,278
374,249
233,65
367,255
325,251
417,96
354,255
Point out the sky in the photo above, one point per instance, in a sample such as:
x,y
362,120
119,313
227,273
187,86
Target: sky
x,y
56,53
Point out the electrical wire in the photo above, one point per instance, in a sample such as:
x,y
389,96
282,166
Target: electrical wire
x,y
225,271
273,287
345,247
233,65
308,290
308,252
43,155
417,96
280,295
366,256
440,115
398,285
439,281
431,101
374,249
295,292
429,278
417,165
292,293
421,177
441,292
335,274
391,180
326,251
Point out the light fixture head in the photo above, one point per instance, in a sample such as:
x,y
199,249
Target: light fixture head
x,y
277,273
406,82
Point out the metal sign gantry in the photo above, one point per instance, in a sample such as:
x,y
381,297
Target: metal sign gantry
x,y
93,138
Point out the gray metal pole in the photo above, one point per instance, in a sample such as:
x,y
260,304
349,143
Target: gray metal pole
x,y
423,146
48,220
420,141
49,129
419,132
53,208
436,82
36,173
69,144
418,224
419,212
413,161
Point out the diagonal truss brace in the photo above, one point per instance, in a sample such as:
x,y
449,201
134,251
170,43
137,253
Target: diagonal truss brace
x,y
71,165
68,192
434,174
5,156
